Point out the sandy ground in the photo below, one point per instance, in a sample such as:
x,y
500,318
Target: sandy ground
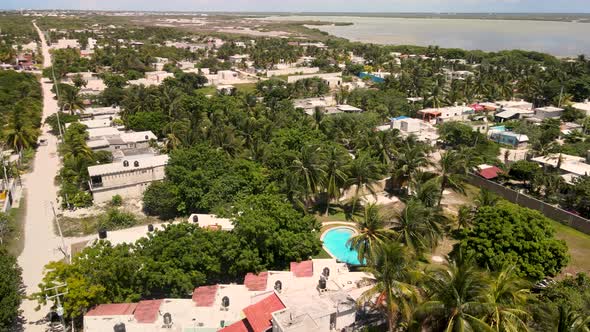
x,y
40,242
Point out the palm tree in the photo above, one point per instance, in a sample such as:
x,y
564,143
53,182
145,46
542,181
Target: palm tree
x,y
409,160
20,133
453,167
424,187
505,301
394,288
372,234
336,160
309,168
363,172
70,99
465,217
570,321
418,227
455,298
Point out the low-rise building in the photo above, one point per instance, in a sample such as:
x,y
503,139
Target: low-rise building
x,y
570,166
509,138
442,114
128,178
333,80
549,112
211,222
292,71
65,43
315,295
512,113
583,106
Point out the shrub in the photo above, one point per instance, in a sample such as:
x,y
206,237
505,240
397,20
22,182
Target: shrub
x,y
117,200
114,219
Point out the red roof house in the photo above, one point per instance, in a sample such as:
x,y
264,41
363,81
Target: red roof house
x,y
256,282
205,296
259,315
490,172
113,309
303,269
147,311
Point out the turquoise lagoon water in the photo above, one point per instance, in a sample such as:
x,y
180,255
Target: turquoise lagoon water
x,y
335,240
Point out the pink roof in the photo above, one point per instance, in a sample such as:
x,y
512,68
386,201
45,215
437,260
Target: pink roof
x,y
303,269
490,172
256,282
259,314
477,107
239,326
147,311
204,296
114,309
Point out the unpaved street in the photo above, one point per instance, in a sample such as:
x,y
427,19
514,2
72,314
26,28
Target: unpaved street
x,y
40,242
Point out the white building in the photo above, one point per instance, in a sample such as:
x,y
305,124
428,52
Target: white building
x,y
549,112
292,71
278,301
571,167
65,43
584,107
128,178
212,222
333,80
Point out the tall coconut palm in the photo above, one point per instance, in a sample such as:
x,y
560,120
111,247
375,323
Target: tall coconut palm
x,y
362,174
418,227
20,133
69,98
425,187
394,290
409,160
336,160
505,301
453,167
372,234
455,300
309,168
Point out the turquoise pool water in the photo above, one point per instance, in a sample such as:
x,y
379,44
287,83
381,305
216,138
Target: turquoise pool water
x,y
335,240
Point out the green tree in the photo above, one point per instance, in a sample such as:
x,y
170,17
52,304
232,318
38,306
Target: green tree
x,y
418,227
10,291
161,199
509,234
453,166
394,291
336,160
373,234
363,172
455,298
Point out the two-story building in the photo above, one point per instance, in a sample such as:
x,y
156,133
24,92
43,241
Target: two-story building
x,y
128,178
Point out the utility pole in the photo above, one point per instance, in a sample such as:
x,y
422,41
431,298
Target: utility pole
x,y
63,248
59,310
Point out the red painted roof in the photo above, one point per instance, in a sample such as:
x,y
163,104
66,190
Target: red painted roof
x,y
239,326
490,173
147,311
303,269
256,282
205,296
259,314
114,309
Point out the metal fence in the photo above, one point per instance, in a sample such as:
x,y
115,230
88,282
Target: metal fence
x,y
550,211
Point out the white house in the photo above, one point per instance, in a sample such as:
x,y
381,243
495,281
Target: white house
x,y
583,106
128,178
333,80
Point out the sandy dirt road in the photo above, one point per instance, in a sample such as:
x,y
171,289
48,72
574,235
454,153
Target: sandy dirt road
x,y
41,244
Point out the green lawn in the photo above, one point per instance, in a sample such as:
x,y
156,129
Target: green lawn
x,y
579,247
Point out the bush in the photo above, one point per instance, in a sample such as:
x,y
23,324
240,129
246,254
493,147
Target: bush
x,y
161,199
117,200
114,219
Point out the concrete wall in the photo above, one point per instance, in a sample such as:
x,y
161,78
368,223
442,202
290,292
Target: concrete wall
x,y
133,176
104,195
550,211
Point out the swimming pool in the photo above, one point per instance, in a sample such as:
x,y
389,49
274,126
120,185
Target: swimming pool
x,y
335,242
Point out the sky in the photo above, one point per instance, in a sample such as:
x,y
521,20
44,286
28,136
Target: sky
x,y
561,6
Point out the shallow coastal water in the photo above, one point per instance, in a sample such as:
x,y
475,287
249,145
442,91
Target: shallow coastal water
x,y
557,38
